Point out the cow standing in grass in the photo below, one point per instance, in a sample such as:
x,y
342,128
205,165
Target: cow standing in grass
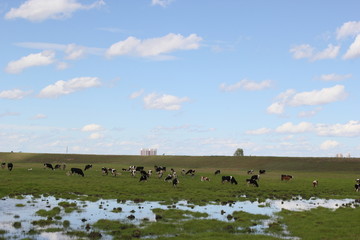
x,y
10,166
87,167
230,179
77,171
252,182
357,185
315,183
48,165
286,177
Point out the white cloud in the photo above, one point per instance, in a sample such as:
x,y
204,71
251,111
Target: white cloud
x,y
154,47
95,136
162,3
306,51
13,94
315,97
165,101
246,85
350,129
291,128
259,131
334,77
39,59
40,116
66,87
91,128
40,10
354,49
137,94
329,144
310,113
348,29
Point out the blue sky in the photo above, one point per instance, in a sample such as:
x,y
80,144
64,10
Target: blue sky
x,y
275,78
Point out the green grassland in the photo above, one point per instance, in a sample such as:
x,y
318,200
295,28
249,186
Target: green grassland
x,y
336,180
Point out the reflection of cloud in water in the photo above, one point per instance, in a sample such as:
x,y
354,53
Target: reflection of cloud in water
x,y
90,212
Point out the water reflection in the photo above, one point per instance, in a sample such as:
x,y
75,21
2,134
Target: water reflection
x,y
24,211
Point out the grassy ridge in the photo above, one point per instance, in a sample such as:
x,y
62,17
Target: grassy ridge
x,y
199,162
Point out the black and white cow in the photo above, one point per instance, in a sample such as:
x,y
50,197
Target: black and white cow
x,y
191,172
139,169
357,187
159,168
10,166
252,182
175,182
286,177
250,171
143,178
57,166
315,183
217,172
255,177
104,171
77,171
168,178
230,179
48,165
262,171
87,167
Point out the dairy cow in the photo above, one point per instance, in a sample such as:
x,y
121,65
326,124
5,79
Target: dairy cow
x,y
230,179
77,171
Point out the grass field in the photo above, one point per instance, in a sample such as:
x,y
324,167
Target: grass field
x,y
336,181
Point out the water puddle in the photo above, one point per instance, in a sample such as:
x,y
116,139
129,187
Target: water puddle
x,y
85,213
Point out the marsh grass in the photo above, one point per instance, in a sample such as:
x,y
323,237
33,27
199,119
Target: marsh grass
x,y
50,213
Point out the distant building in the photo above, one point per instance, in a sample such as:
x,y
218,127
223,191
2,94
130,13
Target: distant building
x,y
148,152
340,155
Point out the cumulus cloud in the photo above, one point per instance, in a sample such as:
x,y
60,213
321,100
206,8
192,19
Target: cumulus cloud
x,y
40,10
91,128
38,59
292,128
329,144
66,87
165,101
246,85
354,49
162,3
13,94
137,94
96,135
334,77
154,47
315,97
259,131
306,51
349,129
348,29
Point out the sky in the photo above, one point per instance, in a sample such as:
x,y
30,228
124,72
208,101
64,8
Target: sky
x,y
199,78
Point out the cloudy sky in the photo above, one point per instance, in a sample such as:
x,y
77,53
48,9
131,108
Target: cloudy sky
x,y
205,77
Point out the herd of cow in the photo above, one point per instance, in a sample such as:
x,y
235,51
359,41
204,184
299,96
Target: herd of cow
x,y
171,177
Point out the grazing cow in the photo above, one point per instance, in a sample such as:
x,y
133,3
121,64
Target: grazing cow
x,y
88,166
315,183
10,166
57,166
286,177
133,172
77,171
203,179
357,187
230,179
183,172
175,182
159,168
168,178
149,172
252,182
262,171
160,173
113,171
104,171
139,169
191,172
255,177
217,172
250,171
143,178
48,165
3,165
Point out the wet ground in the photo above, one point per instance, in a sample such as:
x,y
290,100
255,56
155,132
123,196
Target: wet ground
x,y
24,210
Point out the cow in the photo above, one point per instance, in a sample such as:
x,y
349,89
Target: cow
x,y
138,169
357,187
250,172
252,182
255,177
149,172
315,183
183,172
48,165
3,165
230,179
77,171
88,166
159,168
10,166
168,178
217,172
143,178
203,179
286,177
57,166
191,172
175,182
262,171
104,171
113,171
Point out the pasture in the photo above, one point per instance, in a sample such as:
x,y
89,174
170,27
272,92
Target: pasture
x,y
336,181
